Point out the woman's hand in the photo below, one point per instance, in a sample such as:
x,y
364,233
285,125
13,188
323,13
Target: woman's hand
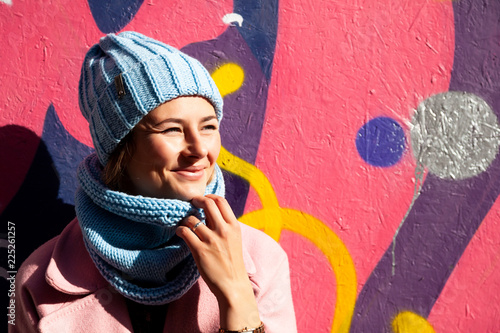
x,y
217,250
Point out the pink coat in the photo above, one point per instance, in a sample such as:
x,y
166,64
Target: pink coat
x,y
59,289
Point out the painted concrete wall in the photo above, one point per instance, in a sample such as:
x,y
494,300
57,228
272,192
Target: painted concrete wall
x,y
363,135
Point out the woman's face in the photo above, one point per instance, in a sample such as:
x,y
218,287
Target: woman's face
x,y
176,148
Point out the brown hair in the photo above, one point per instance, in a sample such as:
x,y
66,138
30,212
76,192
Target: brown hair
x,y
114,172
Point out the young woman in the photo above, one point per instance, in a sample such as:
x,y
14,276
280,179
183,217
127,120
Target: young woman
x,y
151,217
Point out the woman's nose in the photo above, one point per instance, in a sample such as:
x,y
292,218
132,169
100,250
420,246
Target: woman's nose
x,y
195,146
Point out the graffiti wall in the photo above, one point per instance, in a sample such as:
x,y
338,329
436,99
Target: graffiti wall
x,y
361,135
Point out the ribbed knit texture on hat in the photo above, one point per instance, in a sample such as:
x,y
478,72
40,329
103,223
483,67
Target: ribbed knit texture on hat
x,y
132,240
152,74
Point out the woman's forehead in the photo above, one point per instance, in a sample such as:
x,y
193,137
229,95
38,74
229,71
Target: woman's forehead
x,y
183,108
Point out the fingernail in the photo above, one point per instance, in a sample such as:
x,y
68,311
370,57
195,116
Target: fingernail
x,y
195,201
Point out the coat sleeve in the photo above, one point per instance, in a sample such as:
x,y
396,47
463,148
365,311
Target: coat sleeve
x,y
275,301
270,277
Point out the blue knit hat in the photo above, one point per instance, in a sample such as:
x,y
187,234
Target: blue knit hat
x,y
126,76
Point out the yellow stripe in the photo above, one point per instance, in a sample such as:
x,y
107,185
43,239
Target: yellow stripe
x,y
251,174
332,247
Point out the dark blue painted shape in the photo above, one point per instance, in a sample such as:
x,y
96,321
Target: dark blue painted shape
x,y
381,142
259,29
113,15
66,153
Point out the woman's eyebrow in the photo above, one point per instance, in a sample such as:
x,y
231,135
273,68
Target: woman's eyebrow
x,y
180,121
208,118
169,120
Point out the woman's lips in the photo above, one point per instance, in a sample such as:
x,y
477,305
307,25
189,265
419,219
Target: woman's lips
x,y
191,173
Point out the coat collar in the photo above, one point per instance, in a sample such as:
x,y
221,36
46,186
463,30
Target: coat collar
x,y
71,270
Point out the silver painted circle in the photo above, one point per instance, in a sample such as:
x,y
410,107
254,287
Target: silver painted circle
x,y
455,135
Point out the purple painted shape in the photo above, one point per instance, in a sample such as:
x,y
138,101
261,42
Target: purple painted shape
x,y
244,110
447,213
430,243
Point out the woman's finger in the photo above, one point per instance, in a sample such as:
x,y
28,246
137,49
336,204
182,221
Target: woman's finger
x,y
197,228
224,208
213,215
192,241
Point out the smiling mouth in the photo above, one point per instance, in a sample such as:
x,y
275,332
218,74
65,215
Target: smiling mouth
x,y
191,173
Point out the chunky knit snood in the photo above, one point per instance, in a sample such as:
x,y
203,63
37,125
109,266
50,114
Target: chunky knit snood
x,y
132,240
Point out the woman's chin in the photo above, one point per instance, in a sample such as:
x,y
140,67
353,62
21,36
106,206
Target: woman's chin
x,y
186,194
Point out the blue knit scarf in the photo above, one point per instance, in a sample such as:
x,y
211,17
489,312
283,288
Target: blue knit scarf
x,y
132,240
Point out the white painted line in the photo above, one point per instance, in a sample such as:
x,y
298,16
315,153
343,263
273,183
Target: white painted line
x,y
231,18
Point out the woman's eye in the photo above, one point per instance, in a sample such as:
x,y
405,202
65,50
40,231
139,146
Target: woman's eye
x,y
171,130
210,127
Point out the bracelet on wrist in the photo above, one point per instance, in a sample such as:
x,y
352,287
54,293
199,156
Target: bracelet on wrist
x,y
259,329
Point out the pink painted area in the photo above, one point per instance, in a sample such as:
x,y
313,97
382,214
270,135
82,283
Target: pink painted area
x,y
469,301
339,64
181,22
45,45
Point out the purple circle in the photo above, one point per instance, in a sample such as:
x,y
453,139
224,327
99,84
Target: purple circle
x,y
381,142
